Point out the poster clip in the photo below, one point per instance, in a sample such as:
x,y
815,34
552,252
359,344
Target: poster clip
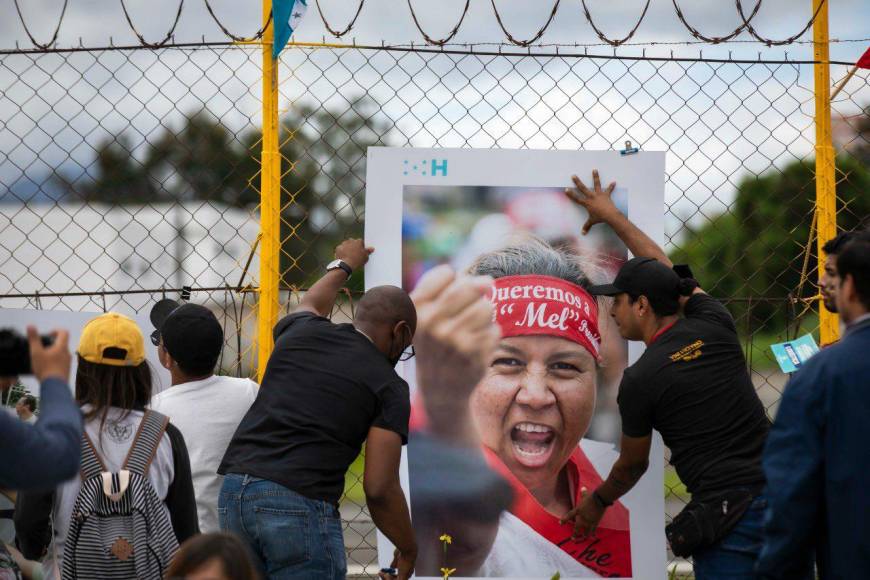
x,y
629,149
185,293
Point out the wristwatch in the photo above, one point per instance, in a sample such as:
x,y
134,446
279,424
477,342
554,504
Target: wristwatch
x,y
600,500
339,264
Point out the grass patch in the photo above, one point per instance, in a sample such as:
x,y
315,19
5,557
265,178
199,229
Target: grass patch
x,y
353,481
673,485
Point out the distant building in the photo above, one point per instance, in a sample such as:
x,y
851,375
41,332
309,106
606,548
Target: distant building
x,y
82,247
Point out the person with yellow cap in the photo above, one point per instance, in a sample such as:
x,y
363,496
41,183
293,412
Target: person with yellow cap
x,y
113,387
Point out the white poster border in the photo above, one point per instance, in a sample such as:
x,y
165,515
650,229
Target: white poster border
x,y
642,175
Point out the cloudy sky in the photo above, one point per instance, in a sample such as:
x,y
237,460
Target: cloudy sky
x,y
59,107
95,21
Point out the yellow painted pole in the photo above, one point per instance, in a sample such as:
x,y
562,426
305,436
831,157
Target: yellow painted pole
x,y
826,192
270,198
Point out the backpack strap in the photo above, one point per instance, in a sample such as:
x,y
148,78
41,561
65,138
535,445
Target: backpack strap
x,y
92,464
148,438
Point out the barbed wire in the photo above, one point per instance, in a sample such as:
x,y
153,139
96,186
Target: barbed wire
x,y
56,28
770,42
460,49
606,41
257,35
540,32
349,26
141,38
715,39
627,37
447,38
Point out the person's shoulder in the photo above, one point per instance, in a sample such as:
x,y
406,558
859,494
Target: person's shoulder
x,y
847,356
301,319
241,387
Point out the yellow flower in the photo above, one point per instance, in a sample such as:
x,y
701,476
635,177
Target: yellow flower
x,y
446,539
447,571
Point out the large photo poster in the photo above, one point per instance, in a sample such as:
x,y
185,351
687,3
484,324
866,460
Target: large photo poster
x,y
487,211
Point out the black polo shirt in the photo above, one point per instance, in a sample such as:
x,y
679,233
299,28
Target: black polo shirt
x,y
692,385
324,387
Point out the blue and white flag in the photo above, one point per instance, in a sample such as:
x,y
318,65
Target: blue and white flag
x,y
286,15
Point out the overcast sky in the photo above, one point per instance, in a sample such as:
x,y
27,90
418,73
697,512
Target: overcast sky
x,y
131,92
390,20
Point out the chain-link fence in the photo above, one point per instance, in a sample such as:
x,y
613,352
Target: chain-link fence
x,y
127,175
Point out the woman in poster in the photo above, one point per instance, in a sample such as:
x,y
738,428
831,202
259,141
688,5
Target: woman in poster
x,y
528,416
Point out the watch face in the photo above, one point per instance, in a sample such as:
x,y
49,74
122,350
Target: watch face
x,y
333,265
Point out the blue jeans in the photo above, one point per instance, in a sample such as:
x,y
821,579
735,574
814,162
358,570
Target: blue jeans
x,y
734,557
290,536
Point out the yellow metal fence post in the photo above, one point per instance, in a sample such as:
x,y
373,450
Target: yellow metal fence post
x,y
270,197
826,193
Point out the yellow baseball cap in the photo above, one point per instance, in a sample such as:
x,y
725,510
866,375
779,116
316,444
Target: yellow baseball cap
x,y
112,339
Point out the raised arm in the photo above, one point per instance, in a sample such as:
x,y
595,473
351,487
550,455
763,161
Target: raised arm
x,y
53,444
320,298
455,339
601,209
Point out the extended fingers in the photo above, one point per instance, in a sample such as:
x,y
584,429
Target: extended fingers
x,y
432,284
596,180
462,293
580,185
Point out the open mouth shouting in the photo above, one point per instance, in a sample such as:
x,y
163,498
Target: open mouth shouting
x,y
532,443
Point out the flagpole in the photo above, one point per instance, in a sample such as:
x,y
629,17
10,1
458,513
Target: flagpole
x,y
270,197
843,82
826,193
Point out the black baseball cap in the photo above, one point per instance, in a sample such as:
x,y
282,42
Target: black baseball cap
x,y
191,334
643,276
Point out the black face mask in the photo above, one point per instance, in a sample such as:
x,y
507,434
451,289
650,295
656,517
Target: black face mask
x,y
394,360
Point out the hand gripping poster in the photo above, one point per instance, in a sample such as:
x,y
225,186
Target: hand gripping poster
x,y
544,415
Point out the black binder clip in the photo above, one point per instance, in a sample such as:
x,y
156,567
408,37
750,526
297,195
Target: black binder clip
x,y
185,293
629,149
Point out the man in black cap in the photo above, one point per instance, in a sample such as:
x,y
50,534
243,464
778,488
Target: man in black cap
x,y
692,385
205,407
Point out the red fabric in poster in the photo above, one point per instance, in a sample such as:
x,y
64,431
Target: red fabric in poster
x,y
543,305
608,552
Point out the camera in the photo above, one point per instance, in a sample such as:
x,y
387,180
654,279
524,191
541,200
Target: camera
x,y
15,352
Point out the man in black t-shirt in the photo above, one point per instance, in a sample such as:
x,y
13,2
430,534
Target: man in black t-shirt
x,y
327,389
693,386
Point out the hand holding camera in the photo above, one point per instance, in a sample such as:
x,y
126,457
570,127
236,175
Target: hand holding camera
x,y
42,356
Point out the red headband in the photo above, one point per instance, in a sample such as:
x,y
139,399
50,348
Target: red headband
x,y
531,305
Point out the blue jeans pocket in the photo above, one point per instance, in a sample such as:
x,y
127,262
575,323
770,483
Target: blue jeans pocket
x,y
283,535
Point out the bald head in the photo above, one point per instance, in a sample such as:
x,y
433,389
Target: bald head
x,y
388,317
386,305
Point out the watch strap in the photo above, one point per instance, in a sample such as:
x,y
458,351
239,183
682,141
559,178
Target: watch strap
x,y
600,500
342,265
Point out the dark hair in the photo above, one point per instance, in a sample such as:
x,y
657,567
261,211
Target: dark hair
x,y
103,386
198,550
836,244
29,401
667,305
197,369
661,306
854,261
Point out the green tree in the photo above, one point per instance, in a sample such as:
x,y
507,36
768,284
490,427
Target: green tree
x,y
756,248
323,160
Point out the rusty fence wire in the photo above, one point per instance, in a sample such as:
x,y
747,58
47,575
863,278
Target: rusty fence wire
x,y
132,174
